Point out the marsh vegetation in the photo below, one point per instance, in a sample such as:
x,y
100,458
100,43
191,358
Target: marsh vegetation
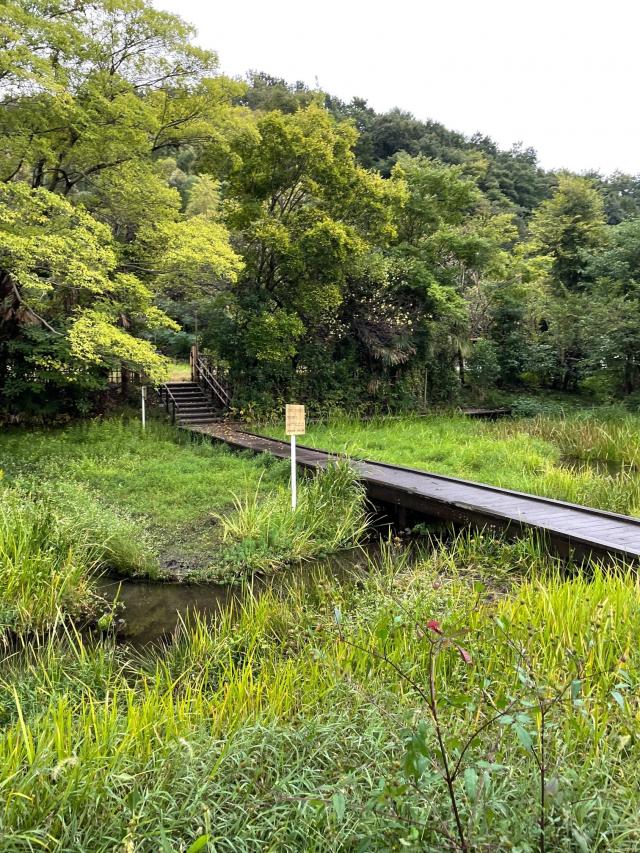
x,y
540,455
454,692
297,720
461,693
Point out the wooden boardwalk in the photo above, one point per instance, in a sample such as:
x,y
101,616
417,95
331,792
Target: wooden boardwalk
x,y
568,527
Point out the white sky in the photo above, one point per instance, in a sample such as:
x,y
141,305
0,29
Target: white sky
x,y
559,75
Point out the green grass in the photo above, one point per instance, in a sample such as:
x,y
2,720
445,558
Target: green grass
x,y
297,721
263,534
526,455
156,491
179,371
606,436
160,474
106,496
280,728
46,563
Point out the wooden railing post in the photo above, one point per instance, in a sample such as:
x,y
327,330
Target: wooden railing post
x,y
193,361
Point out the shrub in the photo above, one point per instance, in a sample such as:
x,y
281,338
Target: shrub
x,y
531,407
483,367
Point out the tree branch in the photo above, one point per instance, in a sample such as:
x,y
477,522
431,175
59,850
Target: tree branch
x,y
32,312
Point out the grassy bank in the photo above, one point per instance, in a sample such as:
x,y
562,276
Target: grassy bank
x,y
470,694
46,564
300,721
106,496
537,455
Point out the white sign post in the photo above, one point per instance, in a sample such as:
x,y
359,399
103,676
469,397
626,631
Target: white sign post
x,y
294,425
144,403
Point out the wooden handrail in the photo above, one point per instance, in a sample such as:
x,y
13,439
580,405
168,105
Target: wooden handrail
x,y
169,398
205,374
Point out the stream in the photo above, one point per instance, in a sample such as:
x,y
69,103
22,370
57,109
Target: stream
x,y
150,612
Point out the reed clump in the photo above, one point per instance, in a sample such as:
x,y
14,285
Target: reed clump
x,y
603,436
261,534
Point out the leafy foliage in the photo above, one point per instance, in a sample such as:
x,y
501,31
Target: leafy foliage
x,y
319,249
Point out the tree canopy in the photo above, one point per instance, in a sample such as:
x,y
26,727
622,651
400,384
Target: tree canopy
x,y
318,249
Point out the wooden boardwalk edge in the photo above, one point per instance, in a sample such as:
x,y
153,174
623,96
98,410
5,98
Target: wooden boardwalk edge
x,y
568,527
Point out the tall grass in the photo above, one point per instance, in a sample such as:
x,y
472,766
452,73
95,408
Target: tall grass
x,y
261,535
524,455
287,723
610,437
276,729
46,565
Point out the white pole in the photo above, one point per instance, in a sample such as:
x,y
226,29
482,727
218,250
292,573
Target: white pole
x,y
144,398
294,495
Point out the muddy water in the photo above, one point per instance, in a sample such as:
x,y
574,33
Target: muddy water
x,y
151,612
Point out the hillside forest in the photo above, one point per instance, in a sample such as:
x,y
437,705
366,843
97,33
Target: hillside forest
x,y
316,249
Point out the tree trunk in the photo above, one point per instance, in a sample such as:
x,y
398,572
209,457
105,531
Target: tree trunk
x,y
9,326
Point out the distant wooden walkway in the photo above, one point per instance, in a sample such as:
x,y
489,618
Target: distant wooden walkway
x,y
569,527
488,414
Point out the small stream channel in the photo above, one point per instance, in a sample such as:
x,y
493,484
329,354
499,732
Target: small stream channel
x,y
150,612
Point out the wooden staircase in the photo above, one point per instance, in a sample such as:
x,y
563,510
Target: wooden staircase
x,y
203,400
187,403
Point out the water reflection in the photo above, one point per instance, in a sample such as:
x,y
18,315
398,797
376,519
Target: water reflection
x,y
151,612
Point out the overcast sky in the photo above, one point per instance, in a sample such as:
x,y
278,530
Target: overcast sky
x,y
559,75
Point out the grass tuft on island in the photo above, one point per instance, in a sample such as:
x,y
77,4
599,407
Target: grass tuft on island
x,y
261,534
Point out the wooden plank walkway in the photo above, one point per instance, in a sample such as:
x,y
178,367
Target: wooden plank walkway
x,y
569,527
488,414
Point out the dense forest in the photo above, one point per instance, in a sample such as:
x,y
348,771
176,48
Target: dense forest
x,y
319,250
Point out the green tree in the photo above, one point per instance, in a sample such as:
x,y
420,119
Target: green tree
x,y
89,86
483,365
610,321
305,216
59,280
449,241
621,195
568,226
93,231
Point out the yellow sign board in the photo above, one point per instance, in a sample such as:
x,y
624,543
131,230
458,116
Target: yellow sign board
x,y
294,420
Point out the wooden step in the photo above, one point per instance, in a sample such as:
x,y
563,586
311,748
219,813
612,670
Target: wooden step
x,y
197,419
191,404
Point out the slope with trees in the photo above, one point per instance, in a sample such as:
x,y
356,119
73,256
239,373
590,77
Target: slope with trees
x,y
320,249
